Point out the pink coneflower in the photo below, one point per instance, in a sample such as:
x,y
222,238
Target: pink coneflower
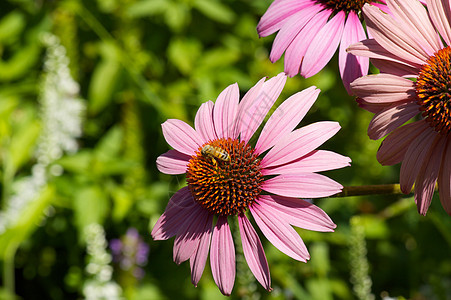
x,y
227,176
310,32
406,45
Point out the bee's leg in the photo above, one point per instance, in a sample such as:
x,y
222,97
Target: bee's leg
x,y
214,161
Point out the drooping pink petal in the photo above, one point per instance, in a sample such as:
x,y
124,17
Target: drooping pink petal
x,y
181,136
315,161
290,29
203,123
298,212
286,117
302,185
414,159
415,21
394,147
370,48
383,88
323,46
179,207
299,143
172,162
390,35
298,47
253,114
222,256
395,68
440,14
188,238
277,14
373,107
427,177
225,111
391,118
279,232
199,259
351,66
444,179
254,253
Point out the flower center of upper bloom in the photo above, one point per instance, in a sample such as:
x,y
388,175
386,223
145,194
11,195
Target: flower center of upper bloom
x,y
224,176
344,5
433,89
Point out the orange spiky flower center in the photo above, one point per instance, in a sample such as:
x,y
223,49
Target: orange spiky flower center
x,y
224,176
433,88
344,5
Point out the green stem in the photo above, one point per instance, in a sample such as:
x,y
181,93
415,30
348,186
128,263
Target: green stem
x,y
9,271
381,189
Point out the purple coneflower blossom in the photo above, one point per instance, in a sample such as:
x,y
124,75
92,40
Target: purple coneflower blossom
x,y
130,253
415,81
310,32
227,176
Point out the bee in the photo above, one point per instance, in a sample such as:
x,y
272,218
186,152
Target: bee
x,y
215,153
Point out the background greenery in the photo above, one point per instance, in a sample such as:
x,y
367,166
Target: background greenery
x,y
138,63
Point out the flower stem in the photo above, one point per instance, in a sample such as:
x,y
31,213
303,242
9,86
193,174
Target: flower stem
x,y
381,189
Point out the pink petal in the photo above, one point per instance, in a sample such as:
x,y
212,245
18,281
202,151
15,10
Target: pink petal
x,y
181,136
427,177
290,30
179,207
371,107
297,49
199,259
256,108
315,161
246,109
323,46
298,212
188,238
299,143
277,14
440,14
415,21
383,88
279,232
391,118
286,117
203,123
371,48
394,147
352,67
390,35
254,253
222,256
302,185
444,179
414,159
172,162
225,110
395,68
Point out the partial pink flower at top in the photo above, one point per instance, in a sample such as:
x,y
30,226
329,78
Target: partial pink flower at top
x,y
310,32
415,82
227,176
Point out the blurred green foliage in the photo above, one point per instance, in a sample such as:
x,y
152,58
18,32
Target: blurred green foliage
x,y
138,63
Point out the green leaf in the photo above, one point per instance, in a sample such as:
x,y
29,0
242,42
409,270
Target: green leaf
x,y
90,206
111,143
11,26
215,11
22,143
20,63
184,54
147,8
79,163
27,222
123,201
105,78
